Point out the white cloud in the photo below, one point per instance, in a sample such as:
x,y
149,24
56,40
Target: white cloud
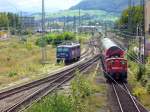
x,y
35,5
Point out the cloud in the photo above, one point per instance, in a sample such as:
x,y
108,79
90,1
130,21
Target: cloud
x,y
35,5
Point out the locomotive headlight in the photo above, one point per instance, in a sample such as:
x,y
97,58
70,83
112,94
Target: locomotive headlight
x,y
123,62
112,62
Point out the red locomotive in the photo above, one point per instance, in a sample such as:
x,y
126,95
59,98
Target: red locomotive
x,y
113,61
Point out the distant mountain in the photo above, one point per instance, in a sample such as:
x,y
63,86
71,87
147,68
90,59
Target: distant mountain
x,y
106,5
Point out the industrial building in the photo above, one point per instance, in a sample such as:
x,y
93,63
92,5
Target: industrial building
x,y
27,22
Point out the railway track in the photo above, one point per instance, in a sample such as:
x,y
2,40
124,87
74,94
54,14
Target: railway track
x,y
86,53
14,99
125,100
89,51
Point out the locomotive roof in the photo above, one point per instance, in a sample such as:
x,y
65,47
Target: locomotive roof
x,y
69,45
116,58
108,43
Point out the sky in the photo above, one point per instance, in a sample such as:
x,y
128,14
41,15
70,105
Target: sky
x,y
35,5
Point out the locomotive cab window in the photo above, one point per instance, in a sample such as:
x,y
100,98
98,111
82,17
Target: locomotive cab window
x,y
65,49
59,49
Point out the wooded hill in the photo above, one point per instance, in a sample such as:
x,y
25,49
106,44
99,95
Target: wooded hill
x,y
106,5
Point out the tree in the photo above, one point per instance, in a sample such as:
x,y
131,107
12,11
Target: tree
x,y
9,20
136,18
3,20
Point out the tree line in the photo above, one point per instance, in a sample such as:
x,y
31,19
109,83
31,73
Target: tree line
x,y
9,21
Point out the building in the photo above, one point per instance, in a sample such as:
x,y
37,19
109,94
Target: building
x,y
4,35
147,16
88,29
27,22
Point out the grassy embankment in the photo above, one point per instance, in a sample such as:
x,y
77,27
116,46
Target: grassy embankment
x,y
86,94
140,81
20,61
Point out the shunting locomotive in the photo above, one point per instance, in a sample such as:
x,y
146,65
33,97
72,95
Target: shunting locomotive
x,y
113,61
68,52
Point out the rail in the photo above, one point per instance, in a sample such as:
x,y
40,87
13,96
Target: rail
x,y
35,90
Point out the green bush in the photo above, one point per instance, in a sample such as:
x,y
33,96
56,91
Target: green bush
x,y
41,42
144,81
81,87
132,55
29,46
68,36
139,91
76,101
148,88
56,39
12,74
141,72
81,90
53,103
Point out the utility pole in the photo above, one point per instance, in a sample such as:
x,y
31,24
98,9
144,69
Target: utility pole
x,y
74,23
105,25
44,56
129,17
79,17
105,29
67,29
64,23
21,25
142,39
138,34
143,60
8,27
14,23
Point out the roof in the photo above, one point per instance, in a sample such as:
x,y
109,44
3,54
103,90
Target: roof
x,y
108,43
116,58
69,45
89,26
111,48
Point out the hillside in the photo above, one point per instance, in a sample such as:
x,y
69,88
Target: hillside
x,y
86,14
106,5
